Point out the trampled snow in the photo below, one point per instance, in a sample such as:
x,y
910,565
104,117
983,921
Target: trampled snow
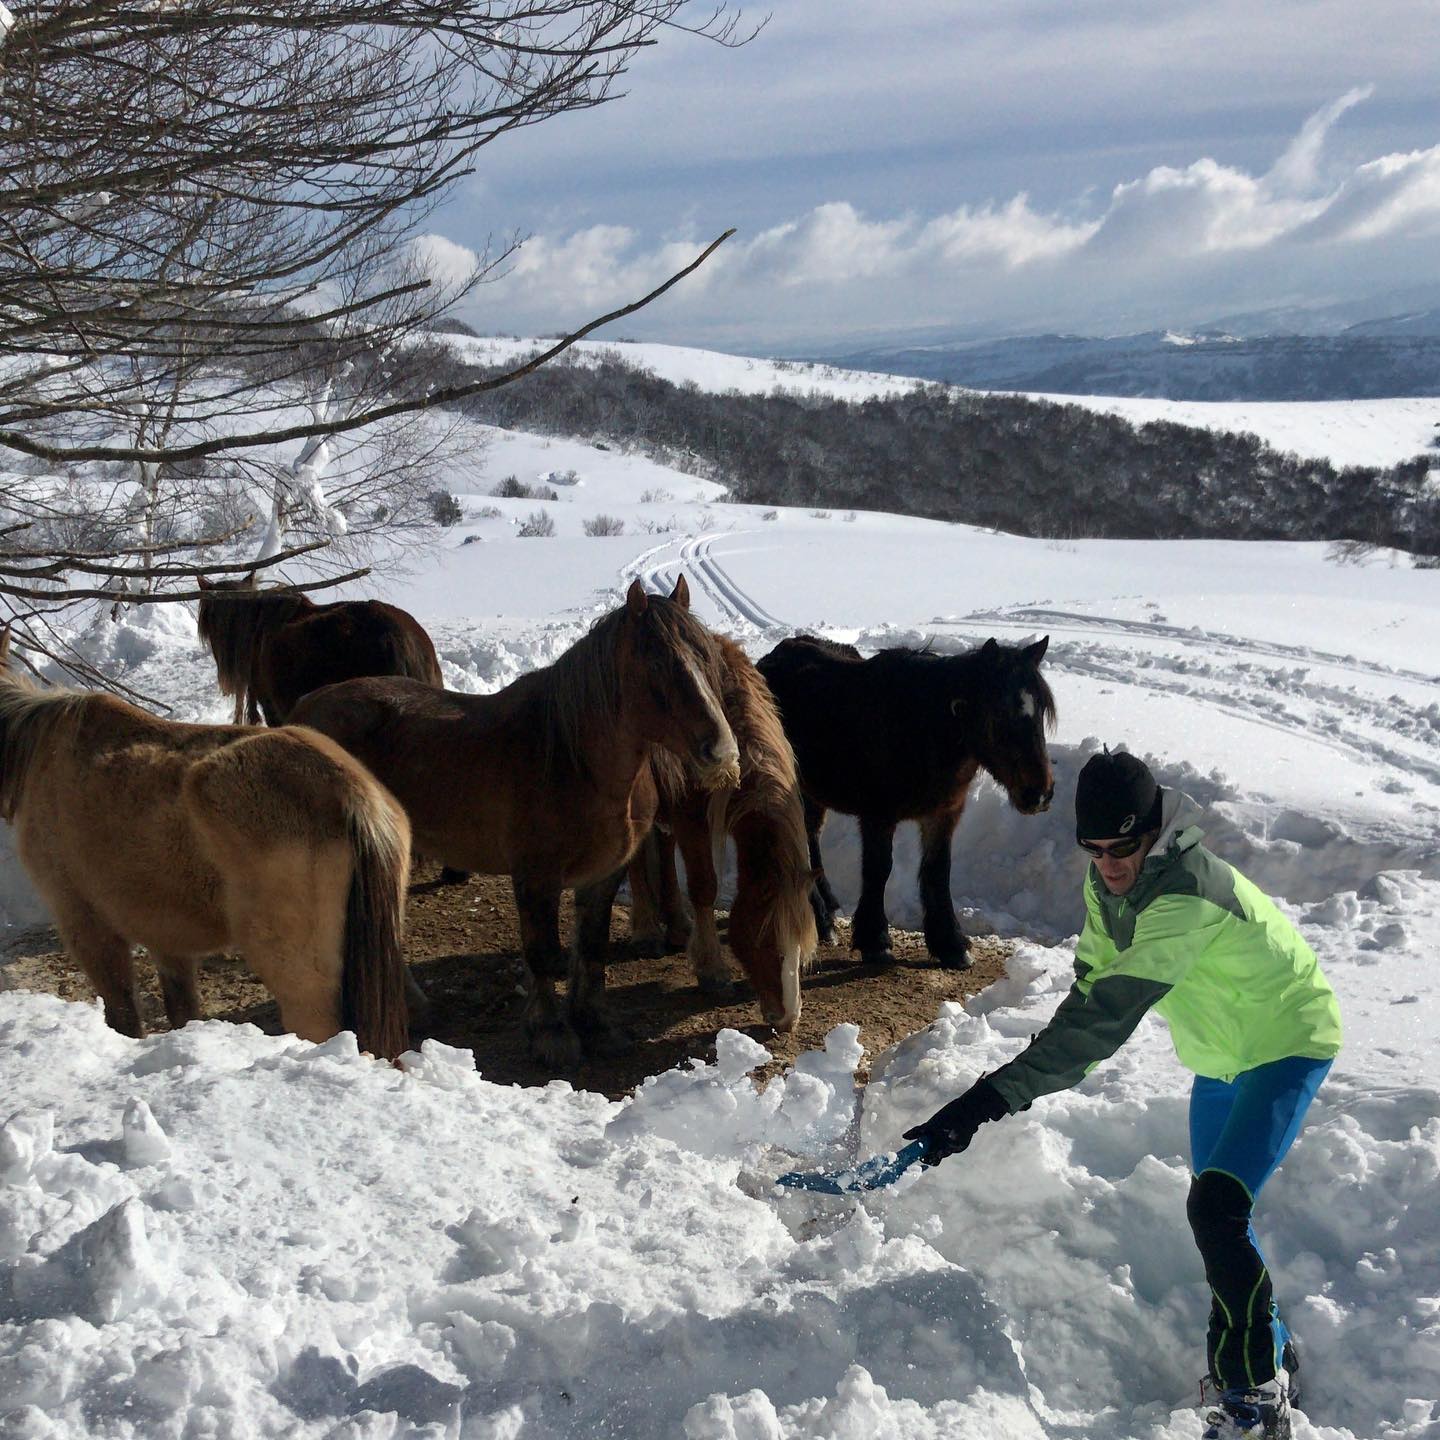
x,y
217,1233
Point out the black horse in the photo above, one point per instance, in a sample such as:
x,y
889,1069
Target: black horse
x,y
900,736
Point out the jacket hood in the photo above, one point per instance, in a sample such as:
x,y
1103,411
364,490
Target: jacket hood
x,y
1178,828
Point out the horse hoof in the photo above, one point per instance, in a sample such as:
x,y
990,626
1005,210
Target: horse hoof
x,y
954,960
448,876
608,1042
718,985
648,947
825,935
556,1045
878,957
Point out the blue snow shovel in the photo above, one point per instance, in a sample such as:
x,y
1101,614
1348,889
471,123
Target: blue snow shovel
x,y
872,1174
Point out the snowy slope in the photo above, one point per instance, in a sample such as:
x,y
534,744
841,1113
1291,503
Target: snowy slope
x,y
222,1234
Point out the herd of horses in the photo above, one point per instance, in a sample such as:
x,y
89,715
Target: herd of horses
x,y
290,842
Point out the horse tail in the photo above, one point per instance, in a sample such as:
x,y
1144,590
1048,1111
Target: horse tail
x,y
373,974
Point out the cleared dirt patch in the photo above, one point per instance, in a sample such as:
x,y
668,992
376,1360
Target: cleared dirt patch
x,y
464,947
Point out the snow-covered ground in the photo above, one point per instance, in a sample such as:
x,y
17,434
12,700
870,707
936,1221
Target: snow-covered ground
x,y
1345,432
222,1234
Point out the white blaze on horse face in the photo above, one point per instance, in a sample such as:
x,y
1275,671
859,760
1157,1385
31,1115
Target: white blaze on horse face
x,y
789,989
1028,704
723,766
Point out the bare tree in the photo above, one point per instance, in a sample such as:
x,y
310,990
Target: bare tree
x,y
203,258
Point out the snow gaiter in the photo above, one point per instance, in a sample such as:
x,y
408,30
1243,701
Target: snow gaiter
x,y
1240,1345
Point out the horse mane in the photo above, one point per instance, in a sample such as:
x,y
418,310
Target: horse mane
x,y
767,808
28,713
923,662
232,621
581,696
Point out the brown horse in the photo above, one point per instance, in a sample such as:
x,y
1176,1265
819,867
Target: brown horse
x,y
772,929
547,781
273,646
900,736
193,839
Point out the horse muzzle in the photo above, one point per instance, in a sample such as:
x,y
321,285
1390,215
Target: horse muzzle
x,y
718,764
1032,802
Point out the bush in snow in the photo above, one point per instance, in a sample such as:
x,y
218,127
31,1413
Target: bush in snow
x,y
605,525
513,488
445,509
537,524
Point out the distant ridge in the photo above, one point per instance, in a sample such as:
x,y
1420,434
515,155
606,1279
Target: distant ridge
x,y
1397,355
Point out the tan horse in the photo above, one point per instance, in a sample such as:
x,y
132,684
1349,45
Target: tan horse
x,y
547,781
195,839
772,926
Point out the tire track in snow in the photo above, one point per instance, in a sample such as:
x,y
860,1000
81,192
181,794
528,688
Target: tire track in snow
x,y
1384,730
658,568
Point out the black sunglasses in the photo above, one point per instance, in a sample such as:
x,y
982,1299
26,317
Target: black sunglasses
x,y
1116,849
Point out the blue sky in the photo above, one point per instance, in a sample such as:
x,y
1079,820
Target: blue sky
x,y
1095,165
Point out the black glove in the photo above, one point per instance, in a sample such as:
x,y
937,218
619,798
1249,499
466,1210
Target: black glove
x,y
952,1127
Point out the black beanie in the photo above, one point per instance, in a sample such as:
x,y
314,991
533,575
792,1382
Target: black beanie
x,y
1116,795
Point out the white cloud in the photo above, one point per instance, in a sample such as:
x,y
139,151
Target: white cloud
x,y
1204,234
442,261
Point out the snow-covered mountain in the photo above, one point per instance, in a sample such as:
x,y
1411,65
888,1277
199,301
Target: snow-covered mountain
x,y
221,1234
1400,356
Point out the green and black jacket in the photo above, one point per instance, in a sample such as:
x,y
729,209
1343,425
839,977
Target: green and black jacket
x,y
1197,942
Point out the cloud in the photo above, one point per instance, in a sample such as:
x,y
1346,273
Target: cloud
x,y
1204,234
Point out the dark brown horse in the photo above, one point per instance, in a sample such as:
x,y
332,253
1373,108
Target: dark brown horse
x,y
900,736
548,781
273,646
772,929
193,839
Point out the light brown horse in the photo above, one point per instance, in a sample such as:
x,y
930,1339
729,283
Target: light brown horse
x,y
194,839
272,646
548,781
772,925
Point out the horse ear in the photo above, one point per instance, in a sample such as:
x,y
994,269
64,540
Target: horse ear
x,y
203,583
250,583
1034,654
991,648
636,600
681,593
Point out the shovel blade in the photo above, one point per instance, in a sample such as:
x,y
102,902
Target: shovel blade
x,y
873,1174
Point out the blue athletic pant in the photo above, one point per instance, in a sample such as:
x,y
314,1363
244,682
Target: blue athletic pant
x,y
1239,1133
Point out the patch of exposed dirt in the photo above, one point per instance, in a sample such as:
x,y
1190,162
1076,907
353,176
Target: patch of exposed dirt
x,y
463,944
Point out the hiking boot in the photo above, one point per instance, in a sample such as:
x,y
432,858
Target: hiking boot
x,y
1261,1413
1290,1371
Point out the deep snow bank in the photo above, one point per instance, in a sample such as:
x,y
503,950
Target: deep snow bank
x,y
220,1233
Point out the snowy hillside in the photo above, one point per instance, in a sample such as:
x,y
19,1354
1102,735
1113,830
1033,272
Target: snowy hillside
x,y
222,1234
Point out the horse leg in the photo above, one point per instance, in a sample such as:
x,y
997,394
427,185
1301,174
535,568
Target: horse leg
x,y
588,1012
822,897
553,1041
177,985
286,911
870,933
658,923
712,971
944,938
105,958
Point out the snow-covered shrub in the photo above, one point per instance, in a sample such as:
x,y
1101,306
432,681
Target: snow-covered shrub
x,y
537,524
604,525
512,487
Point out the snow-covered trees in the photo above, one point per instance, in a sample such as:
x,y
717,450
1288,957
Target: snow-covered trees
x,y
205,265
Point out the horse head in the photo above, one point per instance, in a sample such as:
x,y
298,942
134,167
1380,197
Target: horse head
x,y
1007,707
670,676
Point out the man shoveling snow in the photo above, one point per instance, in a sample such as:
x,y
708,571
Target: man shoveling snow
x,y
1170,925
